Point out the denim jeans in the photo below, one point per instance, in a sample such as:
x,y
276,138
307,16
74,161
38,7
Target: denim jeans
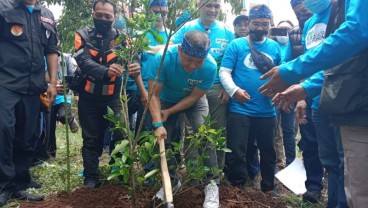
x,y
195,117
332,158
312,163
135,106
246,130
288,132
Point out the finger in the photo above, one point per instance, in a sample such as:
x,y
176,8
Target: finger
x,y
264,87
267,74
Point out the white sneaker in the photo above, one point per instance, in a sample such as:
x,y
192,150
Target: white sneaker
x,y
212,196
160,193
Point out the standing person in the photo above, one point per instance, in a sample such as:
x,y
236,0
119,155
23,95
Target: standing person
x,y
348,41
187,74
220,37
241,29
27,34
312,163
96,59
58,110
241,26
253,112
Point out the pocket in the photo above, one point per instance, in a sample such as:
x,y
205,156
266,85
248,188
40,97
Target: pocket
x,y
14,28
47,30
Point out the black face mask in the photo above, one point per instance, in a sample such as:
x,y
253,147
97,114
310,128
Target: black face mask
x,y
102,26
258,35
302,19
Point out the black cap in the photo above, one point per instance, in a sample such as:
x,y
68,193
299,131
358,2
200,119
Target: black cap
x,y
240,17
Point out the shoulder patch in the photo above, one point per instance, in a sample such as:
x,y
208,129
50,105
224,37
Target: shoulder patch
x,y
47,20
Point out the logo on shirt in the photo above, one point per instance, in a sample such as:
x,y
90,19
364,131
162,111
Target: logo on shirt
x,y
223,43
193,82
315,36
16,30
248,61
47,20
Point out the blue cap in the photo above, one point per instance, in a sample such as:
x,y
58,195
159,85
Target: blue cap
x,y
260,12
295,2
154,3
194,51
240,17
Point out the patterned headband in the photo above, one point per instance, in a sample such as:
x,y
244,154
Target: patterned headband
x,y
261,12
194,51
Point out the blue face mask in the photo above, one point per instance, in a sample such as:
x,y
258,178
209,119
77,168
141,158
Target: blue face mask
x,y
316,6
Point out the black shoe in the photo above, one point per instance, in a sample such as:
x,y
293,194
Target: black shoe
x,y
34,184
91,184
23,195
4,197
312,196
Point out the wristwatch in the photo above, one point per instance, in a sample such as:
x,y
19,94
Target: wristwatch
x,y
157,124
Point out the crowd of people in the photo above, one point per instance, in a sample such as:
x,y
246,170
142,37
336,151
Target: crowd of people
x,y
261,82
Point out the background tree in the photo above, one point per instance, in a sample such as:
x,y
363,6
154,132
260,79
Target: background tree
x,y
236,6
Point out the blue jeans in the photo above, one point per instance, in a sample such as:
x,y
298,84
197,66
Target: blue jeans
x,y
312,163
332,158
246,130
288,132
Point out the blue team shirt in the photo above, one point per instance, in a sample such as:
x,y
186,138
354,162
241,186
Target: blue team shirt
x,y
145,59
219,35
177,83
313,35
246,76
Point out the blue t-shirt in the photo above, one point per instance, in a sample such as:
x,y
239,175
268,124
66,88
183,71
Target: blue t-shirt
x,y
177,83
219,35
313,35
246,76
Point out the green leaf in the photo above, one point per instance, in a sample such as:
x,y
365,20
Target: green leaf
x,y
113,175
151,173
120,147
140,180
226,149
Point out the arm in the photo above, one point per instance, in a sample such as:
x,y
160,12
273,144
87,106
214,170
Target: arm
x,y
350,39
227,81
314,84
155,104
52,64
185,103
142,90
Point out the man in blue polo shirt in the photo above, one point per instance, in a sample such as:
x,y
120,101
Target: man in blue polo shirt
x,y
188,72
253,112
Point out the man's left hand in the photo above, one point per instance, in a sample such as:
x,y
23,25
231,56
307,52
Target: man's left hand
x,y
164,115
51,92
287,98
276,84
134,70
224,97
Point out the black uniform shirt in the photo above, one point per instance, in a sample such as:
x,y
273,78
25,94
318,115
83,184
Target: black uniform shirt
x,y
25,38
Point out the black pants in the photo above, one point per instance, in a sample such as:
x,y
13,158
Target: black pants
x,y
241,131
93,126
18,126
58,113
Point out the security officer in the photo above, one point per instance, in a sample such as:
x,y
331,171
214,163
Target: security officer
x,y
27,34
101,88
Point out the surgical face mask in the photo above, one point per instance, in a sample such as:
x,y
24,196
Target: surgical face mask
x,y
317,6
282,39
102,26
258,35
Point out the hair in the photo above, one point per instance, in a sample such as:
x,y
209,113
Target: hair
x,y
198,39
286,21
104,2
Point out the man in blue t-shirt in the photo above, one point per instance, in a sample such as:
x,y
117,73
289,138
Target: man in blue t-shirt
x,y
220,37
188,72
253,112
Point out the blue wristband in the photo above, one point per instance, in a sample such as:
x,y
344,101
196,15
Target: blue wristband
x,y
157,124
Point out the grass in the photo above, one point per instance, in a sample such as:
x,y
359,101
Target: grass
x,y
52,174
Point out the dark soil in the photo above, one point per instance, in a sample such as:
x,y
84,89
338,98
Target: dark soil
x,y
117,197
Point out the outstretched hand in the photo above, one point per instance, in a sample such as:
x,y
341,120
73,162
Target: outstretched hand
x,y
284,100
274,85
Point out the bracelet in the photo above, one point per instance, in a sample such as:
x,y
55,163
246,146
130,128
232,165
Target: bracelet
x,y
157,124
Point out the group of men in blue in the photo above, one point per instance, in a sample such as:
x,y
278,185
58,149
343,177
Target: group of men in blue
x,y
206,71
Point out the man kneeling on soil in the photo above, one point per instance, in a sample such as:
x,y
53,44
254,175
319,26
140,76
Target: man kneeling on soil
x,y
187,73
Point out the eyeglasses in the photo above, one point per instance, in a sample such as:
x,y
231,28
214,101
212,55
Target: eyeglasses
x,y
163,13
264,25
210,5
